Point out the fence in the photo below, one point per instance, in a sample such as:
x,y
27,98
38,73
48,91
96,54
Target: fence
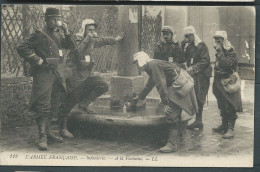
x,y
151,29
11,35
19,21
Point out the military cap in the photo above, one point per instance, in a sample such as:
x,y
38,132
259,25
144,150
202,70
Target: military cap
x,y
52,12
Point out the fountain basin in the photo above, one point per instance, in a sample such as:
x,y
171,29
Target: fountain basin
x,y
107,116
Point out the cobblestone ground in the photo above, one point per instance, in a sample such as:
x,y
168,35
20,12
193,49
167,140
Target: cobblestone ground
x,y
195,142
146,141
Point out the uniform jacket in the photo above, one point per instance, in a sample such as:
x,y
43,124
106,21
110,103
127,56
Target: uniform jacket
x,y
76,65
165,50
164,73
226,64
39,46
198,58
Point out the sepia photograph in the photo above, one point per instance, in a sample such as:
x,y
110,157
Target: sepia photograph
x,y
127,85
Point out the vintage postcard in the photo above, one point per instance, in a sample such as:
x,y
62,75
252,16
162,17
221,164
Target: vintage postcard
x,y
125,85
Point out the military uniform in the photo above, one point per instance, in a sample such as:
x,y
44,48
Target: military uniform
x,y
228,104
43,50
48,78
164,50
198,58
172,49
164,73
83,84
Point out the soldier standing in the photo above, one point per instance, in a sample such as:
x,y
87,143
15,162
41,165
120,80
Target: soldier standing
x,y
198,63
168,50
226,65
43,50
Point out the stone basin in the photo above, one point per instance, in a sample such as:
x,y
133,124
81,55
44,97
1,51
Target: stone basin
x,y
106,115
143,126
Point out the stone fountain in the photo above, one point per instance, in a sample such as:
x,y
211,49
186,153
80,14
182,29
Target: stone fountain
x,y
124,86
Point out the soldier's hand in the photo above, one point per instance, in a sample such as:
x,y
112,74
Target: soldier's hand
x,y
160,108
64,27
47,66
217,47
120,36
40,62
168,110
93,34
190,71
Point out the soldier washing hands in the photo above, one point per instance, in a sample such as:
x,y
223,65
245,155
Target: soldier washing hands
x,y
176,96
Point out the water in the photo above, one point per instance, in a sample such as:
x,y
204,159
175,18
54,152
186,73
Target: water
x,y
149,111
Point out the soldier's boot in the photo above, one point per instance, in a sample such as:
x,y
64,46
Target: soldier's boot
x,y
230,132
223,127
198,121
172,144
42,124
64,132
50,135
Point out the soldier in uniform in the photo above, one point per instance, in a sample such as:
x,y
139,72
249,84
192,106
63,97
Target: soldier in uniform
x,y
226,65
199,67
83,85
165,74
168,50
43,51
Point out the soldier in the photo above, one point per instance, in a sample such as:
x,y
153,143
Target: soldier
x,y
43,50
226,65
165,74
168,50
83,85
198,63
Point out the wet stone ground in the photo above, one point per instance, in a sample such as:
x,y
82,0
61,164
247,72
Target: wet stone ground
x,y
94,139
142,140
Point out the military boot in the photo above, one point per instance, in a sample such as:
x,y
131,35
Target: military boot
x,y
50,135
223,127
198,121
63,128
42,123
230,132
172,144
195,124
